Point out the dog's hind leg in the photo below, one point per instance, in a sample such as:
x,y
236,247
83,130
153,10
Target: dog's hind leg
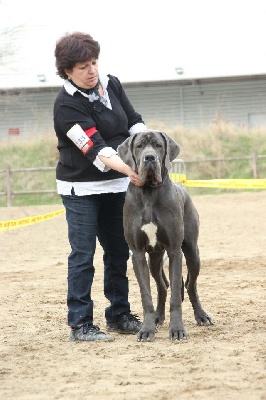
x,y
156,268
191,253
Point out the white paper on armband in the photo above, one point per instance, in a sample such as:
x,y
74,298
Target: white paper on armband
x,y
79,137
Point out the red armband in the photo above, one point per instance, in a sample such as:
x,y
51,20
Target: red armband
x,y
81,138
89,132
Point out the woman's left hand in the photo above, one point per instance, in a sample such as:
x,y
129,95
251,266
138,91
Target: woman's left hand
x,y
117,164
134,178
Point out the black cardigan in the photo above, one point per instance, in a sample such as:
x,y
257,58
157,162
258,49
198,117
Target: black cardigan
x,y
112,129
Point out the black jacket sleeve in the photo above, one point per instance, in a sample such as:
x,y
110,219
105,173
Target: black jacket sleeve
x,y
66,117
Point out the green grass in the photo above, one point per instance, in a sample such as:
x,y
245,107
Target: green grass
x,y
217,140
28,153
19,154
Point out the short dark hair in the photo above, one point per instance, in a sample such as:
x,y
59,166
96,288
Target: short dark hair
x,y
73,48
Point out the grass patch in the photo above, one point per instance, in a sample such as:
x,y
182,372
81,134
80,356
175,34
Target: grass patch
x,y
218,140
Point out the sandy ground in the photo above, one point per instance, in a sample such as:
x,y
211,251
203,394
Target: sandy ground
x,y
224,361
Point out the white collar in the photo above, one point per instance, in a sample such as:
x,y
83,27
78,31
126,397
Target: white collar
x,y
104,79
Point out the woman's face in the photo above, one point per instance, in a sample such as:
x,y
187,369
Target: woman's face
x,y
85,74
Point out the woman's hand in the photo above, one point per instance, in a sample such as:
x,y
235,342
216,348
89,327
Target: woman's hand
x,y
117,164
134,178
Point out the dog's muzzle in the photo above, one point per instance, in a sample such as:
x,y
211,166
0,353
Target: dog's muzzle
x,y
150,169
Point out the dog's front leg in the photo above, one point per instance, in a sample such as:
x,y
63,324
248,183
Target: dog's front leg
x,y
176,329
157,272
141,269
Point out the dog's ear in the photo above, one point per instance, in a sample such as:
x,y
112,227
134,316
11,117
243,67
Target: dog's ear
x,y
172,150
125,152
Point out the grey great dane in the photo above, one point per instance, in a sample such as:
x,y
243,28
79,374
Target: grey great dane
x,y
160,216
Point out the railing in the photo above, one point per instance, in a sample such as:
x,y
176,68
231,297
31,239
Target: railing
x,y
255,157
179,166
10,193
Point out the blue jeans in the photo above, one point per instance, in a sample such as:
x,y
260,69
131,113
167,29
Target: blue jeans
x,y
89,217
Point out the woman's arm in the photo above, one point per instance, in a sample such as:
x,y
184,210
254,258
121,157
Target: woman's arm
x,y
115,162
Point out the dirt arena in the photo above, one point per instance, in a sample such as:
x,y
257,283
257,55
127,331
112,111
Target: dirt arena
x,y
222,362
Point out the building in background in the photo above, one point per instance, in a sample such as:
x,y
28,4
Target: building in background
x,y
191,102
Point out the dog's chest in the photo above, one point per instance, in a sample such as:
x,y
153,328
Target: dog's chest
x,y
151,232
150,225
151,217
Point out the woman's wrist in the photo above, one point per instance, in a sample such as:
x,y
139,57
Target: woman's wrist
x,y
115,162
127,170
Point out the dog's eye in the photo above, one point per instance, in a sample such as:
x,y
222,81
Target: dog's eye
x,y
158,145
138,146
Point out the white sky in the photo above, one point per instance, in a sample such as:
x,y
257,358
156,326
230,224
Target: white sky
x,y
144,39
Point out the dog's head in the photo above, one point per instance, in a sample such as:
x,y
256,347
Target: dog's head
x,y
149,153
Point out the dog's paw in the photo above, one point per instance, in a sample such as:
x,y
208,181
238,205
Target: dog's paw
x,y
178,334
203,319
145,336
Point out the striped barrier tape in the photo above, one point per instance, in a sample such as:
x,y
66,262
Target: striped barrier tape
x,y
17,223
177,178
227,183
220,183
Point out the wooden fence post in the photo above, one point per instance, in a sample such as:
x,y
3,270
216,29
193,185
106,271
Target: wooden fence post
x,y
255,165
8,187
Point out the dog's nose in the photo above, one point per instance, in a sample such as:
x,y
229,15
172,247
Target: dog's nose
x,y
149,158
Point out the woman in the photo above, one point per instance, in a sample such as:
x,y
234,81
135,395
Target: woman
x,y
92,116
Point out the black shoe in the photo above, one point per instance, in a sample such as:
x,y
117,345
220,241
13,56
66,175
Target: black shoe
x,y
128,323
89,332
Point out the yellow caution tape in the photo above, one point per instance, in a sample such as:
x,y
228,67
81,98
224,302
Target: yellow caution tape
x,y
227,183
219,183
177,178
13,224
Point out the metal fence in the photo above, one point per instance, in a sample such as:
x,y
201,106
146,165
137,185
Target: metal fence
x,y
178,167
